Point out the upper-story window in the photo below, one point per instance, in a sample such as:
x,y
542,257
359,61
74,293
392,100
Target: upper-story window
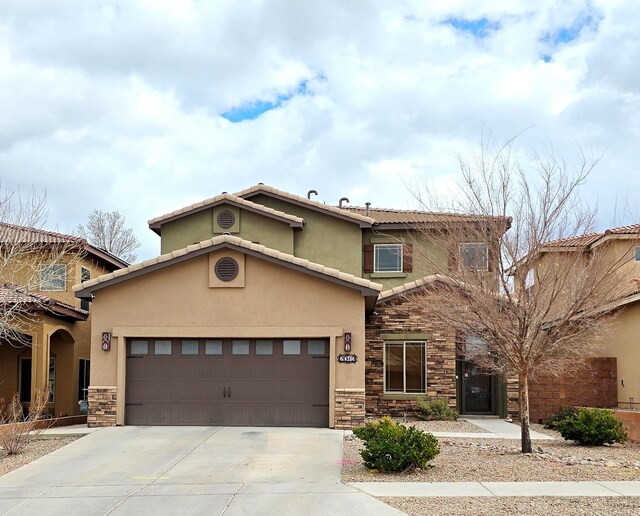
x,y
475,256
53,277
637,253
387,258
85,275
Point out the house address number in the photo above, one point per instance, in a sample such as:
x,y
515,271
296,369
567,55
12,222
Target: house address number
x,y
347,359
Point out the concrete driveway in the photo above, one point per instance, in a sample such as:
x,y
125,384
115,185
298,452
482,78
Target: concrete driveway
x,y
189,470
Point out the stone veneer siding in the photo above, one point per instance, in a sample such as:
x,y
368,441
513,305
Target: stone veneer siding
x,y
407,316
349,408
102,406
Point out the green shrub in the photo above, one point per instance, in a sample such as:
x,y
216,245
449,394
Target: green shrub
x,y
593,427
389,446
562,414
435,409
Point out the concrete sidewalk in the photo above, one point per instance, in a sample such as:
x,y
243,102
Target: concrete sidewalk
x,y
463,489
499,428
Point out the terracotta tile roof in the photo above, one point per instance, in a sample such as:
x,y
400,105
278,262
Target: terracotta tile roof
x,y
28,235
633,229
13,233
12,294
407,287
234,199
239,243
589,239
304,201
393,216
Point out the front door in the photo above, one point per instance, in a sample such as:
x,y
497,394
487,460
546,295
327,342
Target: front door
x,y
477,390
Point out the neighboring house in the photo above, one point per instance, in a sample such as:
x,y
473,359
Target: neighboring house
x,y
52,351
612,377
266,308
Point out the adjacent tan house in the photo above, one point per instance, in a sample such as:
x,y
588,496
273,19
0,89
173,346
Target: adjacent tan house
x,y
268,308
51,350
611,378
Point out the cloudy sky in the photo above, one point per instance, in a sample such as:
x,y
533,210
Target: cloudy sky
x,y
147,106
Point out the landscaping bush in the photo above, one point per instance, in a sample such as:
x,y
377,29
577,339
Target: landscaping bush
x,y
562,414
389,446
16,428
435,409
593,427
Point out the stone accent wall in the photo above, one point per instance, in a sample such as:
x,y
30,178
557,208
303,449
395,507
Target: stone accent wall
x,y
349,408
102,406
592,384
407,316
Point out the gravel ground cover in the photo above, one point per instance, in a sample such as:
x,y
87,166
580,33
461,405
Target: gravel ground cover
x,y
38,447
500,460
442,426
489,506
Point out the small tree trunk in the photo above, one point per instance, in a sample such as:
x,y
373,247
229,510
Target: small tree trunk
x,y
525,432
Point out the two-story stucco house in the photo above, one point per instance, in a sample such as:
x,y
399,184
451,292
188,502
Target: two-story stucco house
x,y
54,352
267,308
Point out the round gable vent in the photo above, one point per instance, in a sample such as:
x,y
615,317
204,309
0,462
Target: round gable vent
x,y
226,219
226,269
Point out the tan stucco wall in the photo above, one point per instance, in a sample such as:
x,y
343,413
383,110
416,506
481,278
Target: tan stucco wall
x,y
177,301
624,344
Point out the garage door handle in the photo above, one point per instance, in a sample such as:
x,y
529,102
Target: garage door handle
x,y
224,392
229,391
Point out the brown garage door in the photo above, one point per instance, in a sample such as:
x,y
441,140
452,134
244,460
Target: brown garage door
x,y
270,382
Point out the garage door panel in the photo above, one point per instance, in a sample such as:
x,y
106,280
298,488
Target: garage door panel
x,y
254,389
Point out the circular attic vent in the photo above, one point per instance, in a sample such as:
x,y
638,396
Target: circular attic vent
x,y
226,219
226,269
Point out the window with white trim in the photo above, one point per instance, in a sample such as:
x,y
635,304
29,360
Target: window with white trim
x,y
387,258
405,368
474,256
53,277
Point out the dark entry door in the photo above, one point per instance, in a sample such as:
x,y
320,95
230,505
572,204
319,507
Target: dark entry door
x,y
477,390
242,382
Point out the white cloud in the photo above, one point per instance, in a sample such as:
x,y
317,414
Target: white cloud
x,y
117,105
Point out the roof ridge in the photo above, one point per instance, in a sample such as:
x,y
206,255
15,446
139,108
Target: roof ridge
x,y
225,196
304,200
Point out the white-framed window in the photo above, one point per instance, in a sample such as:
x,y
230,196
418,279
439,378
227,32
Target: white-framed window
x,y
405,367
387,258
53,277
85,274
636,253
474,256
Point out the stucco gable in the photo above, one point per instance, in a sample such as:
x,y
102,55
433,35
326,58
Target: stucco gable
x,y
368,288
156,223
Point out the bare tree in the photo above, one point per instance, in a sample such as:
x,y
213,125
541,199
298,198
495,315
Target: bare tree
x,y
521,305
106,229
30,260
